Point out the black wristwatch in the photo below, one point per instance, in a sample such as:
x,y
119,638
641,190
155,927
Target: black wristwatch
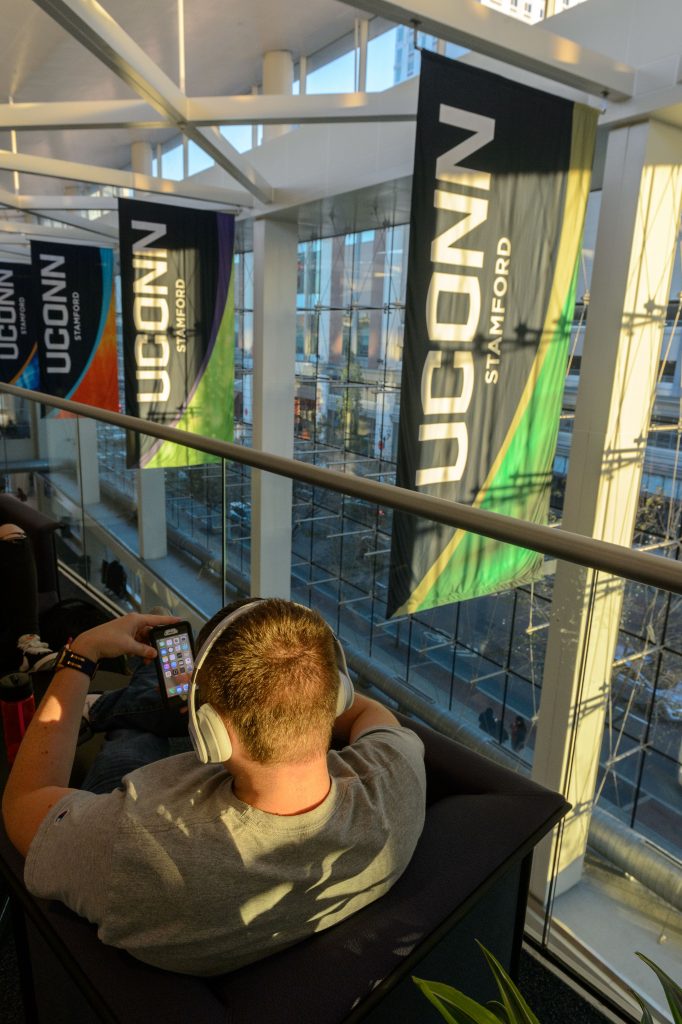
x,y
70,659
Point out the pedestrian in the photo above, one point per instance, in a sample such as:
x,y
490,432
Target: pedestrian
x,y
518,733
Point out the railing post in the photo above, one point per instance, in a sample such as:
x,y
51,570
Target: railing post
x,y
274,363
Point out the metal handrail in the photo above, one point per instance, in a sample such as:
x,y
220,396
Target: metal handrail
x,y
603,556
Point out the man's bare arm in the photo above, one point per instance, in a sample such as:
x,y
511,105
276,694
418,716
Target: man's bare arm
x,y
42,768
364,713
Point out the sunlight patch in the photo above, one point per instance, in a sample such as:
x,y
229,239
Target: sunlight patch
x,y
263,902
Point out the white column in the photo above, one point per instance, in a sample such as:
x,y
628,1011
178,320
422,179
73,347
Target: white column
x,y
274,362
633,262
254,127
72,441
361,40
141,157
88,464
151,513
278,78
150,485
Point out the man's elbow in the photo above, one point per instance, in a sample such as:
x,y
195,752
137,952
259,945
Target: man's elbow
x,y
23,813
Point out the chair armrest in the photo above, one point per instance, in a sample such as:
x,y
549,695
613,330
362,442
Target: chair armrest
x,y
452,768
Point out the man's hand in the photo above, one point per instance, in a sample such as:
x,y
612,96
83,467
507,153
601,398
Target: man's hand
x,y
126,635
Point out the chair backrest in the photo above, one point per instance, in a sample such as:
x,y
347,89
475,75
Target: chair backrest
x,y
40,530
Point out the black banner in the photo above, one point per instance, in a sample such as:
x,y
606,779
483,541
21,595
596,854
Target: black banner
x,y
178,324
18,355
501,178
75,322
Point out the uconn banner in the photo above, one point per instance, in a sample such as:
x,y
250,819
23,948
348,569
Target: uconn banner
x,y
500,186
75,322
18,352
178,324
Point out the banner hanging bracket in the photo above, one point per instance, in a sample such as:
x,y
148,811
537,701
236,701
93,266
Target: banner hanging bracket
x,y
415,23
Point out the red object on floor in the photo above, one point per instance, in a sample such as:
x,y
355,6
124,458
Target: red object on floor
x,y
17,706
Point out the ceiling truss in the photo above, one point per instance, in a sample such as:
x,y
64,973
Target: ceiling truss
x,y
160,105
90,24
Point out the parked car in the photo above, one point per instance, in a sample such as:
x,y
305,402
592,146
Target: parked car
x,y
240,513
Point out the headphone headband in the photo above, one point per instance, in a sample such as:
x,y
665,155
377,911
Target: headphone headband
x,y
207,730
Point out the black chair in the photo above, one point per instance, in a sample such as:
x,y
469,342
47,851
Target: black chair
x,y
468,880
40,530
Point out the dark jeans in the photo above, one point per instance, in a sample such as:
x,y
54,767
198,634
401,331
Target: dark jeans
x,y
19,602
139,729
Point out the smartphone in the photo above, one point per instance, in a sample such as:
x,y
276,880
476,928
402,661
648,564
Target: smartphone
x,y
175,659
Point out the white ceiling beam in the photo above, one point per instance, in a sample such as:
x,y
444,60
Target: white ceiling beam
x,y
50,167
664,104
391,105
95,29
44,205
15,202
80,114
24,231
49,203
532,47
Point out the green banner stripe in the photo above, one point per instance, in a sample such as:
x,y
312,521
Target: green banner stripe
x,y
479,565
212,405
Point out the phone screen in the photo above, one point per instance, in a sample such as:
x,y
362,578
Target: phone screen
x,y
175,661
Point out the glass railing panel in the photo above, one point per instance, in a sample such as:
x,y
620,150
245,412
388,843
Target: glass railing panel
x,y
598,733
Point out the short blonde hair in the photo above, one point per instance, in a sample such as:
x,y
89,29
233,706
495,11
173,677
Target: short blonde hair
x,y
272,674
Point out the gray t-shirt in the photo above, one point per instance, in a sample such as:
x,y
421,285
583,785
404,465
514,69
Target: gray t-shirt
x,y
182,874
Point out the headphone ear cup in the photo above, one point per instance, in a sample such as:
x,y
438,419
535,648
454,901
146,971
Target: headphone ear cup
x,y
211,739
346,694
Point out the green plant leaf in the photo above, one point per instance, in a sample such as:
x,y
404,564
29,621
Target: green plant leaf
x,y
499,1011
646,1012
673,992
518,1010
453,1005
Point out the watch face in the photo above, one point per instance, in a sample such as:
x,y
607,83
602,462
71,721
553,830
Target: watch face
x,y
69,659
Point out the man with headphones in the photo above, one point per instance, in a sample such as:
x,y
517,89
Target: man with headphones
x,y
259,836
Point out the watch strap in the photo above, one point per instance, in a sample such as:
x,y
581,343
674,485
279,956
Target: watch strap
x,y
71,659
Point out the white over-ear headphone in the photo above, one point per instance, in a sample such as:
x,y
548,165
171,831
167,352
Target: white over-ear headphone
x,y
207,730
